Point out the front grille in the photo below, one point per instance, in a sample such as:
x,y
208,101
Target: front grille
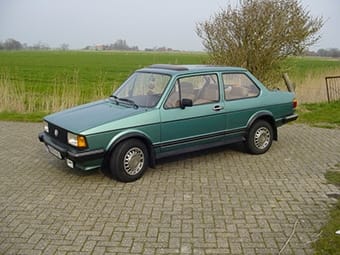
x,y
57,133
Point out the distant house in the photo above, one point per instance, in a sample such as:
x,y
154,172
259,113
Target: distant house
x,y
99,47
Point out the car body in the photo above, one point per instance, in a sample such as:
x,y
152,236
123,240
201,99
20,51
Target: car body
x,y
164,110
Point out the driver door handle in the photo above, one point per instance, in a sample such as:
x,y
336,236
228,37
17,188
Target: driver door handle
x,y
218,108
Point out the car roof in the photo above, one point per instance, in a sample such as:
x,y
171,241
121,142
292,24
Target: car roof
x,y
187,69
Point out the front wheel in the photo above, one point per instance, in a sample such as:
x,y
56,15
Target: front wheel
x,y
129,160
260,137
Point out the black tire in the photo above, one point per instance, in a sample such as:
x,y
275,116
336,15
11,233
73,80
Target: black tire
x,y
129,160
260,137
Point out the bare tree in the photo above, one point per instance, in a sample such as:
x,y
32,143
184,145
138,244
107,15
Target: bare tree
x,y
259,34
64,46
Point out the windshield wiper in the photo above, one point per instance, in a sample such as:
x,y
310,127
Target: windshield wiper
x,y
114,97
125,100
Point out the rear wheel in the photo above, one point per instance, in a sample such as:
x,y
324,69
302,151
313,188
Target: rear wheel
x,y
129,160
260,137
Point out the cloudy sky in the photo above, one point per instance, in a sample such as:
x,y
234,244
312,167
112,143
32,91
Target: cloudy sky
x,y
144,23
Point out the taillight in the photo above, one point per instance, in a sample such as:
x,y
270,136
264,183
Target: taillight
x,y
295,103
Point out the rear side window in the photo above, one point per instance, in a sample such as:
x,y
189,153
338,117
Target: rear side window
x,y
238,86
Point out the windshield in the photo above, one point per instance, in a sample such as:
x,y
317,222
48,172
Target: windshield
x,y
143,89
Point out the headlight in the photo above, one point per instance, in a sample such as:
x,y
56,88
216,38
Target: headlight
x,y
78,141
46,127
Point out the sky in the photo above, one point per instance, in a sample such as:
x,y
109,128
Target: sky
x,y
142,23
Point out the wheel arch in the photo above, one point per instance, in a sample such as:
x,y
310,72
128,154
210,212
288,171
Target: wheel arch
x,y
266,116
131,135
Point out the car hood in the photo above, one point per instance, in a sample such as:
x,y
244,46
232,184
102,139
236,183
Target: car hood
x,y
87,116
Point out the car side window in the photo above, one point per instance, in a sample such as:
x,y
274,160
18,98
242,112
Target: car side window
x,y
201,89
238,86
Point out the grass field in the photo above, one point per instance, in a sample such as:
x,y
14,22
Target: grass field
x,y
308,73
42,82
326,115
41,68
33,83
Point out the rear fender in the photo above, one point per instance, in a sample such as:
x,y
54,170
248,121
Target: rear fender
x,y
264,115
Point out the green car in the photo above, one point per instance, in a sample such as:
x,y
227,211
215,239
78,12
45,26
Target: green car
x,y
165,110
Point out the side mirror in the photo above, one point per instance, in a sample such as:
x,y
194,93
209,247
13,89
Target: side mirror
x,y
186,102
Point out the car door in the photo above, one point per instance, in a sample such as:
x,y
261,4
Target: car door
x,y
192,117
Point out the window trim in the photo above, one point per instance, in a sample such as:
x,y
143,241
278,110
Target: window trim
x,y
177,83
240,98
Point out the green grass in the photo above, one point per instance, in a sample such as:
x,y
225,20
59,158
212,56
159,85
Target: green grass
x,y
299,68
48,81
43,68
320,114
41,82
329,242
25,117
333,177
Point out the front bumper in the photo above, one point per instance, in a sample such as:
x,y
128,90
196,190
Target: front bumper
x,y
85,160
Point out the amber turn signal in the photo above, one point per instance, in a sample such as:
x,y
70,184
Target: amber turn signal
x,y
81,142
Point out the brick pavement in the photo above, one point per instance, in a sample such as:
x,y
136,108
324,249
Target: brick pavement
x,y
221,201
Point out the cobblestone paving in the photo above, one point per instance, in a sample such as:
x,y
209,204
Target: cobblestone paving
x,y
221,201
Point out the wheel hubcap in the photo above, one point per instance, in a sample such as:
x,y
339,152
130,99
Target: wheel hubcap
x,y
133,161
262,138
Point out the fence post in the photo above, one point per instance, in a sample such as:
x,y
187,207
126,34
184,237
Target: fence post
x,y
289,84
327,88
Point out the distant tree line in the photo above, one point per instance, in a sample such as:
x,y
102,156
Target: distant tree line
x,y
12,44
121,45
118,45
162,49
331,53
